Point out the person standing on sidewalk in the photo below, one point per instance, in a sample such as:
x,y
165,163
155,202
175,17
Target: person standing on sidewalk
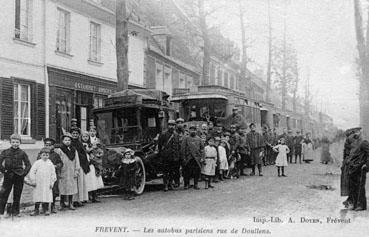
x,y
281,161
43,176
58,164
15,165
168,145
192,154
256,144
69,172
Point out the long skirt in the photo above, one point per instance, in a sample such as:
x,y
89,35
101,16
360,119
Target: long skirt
x,y
93,182
82,194
345,188
209,167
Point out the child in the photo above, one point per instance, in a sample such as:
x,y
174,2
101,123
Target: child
x,y
281,160
90,178
209,164
94,176
15,165
127,173
43,176
223,162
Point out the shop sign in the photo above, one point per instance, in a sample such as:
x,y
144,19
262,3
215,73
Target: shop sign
x,y
92,88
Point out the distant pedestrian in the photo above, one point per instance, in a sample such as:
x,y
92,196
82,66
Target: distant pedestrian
x,y
307,149
289,142
297,146
43,176
15,165
127,174
325,155
281,161
209,163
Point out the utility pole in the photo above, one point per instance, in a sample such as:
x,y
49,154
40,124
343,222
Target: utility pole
x,y
269,72
121,43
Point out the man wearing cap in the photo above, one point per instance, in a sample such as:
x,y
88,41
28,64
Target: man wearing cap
x,y
297,145
192,154
268,145
256,144
58,164
168,145
235,118
15,165
181,133
243,150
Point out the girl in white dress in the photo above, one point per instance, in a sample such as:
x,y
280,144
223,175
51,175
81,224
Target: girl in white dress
x,y
281,160
210,162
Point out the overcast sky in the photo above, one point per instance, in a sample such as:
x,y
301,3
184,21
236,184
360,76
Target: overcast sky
x,y
323,33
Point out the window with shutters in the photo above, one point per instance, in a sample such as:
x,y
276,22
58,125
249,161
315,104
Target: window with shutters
x,y
95,42
63,35
22,109
23,20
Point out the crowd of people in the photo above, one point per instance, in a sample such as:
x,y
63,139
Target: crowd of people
x,y
73,169
214,154
70,170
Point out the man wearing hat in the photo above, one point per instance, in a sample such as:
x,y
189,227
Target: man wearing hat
x,y
235,118
58,164
180,130
235,142
192,153
168,145
15,165
256,145
297,145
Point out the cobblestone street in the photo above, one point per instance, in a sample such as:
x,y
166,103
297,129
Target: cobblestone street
x,y
229,204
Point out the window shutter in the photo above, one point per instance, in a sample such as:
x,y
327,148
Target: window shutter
x,y
99,43
39,123
58,32
90,49
67,38
17,18
7,99
30,20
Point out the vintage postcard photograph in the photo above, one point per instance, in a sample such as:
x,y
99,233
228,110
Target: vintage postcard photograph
x,y
132,118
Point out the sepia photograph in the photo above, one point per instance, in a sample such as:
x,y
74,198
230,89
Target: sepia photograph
x,y
190,118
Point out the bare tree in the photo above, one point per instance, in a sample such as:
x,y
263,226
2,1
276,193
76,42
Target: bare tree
x,y
269,70
363,61
121,40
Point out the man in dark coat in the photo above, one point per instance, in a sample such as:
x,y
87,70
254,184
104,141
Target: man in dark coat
x,y
289,143
168,146
181,133
256,144
57,162
192,154
268,145
235,143
234,118
15,165
348,145
297,145
244,152
358,163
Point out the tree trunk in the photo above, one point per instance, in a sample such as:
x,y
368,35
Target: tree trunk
x,y
244,84
121,42
269,72
284,82
205,37
363,67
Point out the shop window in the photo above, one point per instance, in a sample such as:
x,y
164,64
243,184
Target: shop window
x,y
22,109
95,42
99,102
23,20
63,35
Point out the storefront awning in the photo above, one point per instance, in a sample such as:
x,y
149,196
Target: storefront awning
x,y
196,97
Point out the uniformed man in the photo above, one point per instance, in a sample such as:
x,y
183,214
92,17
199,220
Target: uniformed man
x,y
168,146
192,154
268,145
358,163
256,144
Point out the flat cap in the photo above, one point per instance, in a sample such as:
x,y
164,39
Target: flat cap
x,y
49,140
171,121
180,120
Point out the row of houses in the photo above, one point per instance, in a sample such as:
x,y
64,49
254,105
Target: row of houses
x,y
58,62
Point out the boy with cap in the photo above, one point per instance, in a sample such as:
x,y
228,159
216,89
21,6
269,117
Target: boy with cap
x,y
15,165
